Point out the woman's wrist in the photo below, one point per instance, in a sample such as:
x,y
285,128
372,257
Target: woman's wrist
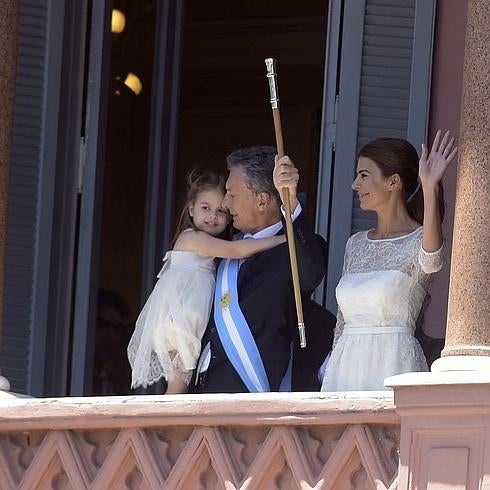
x,y
430,190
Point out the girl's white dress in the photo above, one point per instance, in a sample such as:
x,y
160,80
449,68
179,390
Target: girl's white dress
x,y
168,332
380,295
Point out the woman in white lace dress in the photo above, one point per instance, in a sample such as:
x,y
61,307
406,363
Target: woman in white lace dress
x,y
386,269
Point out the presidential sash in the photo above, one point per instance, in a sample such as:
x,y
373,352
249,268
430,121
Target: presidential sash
x,y
233,330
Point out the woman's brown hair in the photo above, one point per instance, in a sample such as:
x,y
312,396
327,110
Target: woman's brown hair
x,y
398,156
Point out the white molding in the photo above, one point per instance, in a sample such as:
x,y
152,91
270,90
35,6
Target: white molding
x,y
422,379
461,363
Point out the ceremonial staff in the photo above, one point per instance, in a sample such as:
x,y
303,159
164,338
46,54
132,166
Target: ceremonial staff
x,y
270,63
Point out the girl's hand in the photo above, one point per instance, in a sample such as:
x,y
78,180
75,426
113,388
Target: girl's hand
x,y
280,239
433,165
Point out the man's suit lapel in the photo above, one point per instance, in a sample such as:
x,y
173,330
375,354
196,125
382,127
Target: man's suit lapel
x,y
248,262
244,267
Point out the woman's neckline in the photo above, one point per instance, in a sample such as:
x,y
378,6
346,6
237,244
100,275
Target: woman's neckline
x,y
390,239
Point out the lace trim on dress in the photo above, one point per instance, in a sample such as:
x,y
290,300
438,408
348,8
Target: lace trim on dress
x,y
149,367
431,262
404,254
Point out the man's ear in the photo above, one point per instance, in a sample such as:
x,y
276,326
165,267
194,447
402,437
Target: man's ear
x,y
264,200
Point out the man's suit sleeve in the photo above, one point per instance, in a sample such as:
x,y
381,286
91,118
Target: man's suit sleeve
x,y
320,325
311,253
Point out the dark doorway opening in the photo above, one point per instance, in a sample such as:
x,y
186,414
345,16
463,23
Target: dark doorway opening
x,y
223,106
124,191
224,94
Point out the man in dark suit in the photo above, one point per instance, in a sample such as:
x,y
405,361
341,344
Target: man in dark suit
x,y
263,284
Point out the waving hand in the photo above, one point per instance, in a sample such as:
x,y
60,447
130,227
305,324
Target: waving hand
x,y
433,164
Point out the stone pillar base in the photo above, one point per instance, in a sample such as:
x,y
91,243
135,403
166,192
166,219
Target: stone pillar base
x,y
5,390
4,384
445,428
461,363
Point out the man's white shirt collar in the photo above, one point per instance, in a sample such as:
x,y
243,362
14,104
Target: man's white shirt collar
x,y
272,230
268,232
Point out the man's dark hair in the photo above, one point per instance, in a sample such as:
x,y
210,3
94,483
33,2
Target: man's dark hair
x,y
257,164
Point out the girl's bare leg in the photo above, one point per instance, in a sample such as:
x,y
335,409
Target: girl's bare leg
x,y
176,386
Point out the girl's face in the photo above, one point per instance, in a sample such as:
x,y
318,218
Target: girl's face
x,y
207,213
373,189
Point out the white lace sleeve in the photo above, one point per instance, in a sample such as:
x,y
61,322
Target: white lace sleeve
x,y
339,327
431,262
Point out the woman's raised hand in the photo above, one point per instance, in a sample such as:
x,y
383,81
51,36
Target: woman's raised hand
x,y
433,165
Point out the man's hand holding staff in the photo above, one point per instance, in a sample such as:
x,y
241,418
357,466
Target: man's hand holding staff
x,y
286,179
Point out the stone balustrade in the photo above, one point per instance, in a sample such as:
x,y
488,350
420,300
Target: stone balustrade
x,y
251,441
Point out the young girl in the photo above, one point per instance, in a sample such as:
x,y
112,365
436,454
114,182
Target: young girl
x,y
386,269
167,338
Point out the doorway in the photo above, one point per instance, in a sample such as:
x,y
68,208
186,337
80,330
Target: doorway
x,y
223,105
224,101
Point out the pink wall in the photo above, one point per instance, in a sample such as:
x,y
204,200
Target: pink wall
x,y
447,80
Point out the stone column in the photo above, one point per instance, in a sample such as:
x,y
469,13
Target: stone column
x,y
8,55
444,414
468,324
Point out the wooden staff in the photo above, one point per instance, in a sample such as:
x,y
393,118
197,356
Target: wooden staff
x,y
270,63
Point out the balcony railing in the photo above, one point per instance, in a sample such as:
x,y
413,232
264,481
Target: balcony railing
x,y
244,441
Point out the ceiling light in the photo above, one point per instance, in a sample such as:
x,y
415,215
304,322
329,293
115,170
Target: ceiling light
x,y
118,21
133,83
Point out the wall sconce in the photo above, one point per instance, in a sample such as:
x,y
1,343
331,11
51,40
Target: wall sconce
x,y
118,21
133,83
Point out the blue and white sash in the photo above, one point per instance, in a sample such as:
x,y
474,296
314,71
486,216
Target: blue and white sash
x,y
233,330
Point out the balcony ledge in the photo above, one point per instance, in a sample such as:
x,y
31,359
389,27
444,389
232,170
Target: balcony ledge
x,y
203,410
